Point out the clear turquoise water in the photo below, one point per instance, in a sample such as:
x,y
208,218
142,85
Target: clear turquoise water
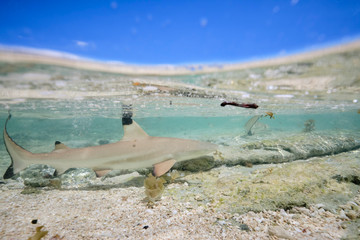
x,y
78,121
37,133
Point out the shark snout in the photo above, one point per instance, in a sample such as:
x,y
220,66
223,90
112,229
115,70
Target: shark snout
x,y
209,147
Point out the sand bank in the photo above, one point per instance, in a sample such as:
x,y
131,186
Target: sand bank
x,y
15,56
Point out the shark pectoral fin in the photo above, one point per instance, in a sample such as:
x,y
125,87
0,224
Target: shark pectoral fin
x,y
162,167
59,145
133,131
100,173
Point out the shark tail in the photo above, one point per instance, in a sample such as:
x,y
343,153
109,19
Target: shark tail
x,y
18,154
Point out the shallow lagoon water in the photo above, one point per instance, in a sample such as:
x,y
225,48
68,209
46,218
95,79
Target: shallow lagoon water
x,y
280,168
37,124
84,107
101,122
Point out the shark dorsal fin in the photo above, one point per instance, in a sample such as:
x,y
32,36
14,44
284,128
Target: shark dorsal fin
x,y
133,131
59,145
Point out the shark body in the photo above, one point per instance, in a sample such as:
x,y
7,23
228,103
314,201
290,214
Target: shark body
x,y
135,150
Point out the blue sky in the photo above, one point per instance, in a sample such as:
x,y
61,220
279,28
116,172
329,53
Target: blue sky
x,y
177,31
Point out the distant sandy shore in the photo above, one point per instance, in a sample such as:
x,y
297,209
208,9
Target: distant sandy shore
x,y
15,56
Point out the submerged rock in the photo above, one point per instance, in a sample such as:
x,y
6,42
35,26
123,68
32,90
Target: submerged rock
x,y
309,125
274,186
133,179
37,175
77,177
297,147
85,179
279,232
346,177
115,173
195,165
31,190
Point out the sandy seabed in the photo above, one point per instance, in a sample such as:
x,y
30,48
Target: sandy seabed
x,y
122,213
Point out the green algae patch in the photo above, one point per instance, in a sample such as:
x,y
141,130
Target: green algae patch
x,y
39,234
154,187
271,187
195,165
30,190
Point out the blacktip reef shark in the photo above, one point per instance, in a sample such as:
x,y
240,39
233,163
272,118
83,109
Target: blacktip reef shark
x,y
135,150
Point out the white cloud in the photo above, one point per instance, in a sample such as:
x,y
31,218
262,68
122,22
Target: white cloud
x,y
39,51
203,22
282,52
26,33
81,43
294,2
85,45
276,9
166,23
113,5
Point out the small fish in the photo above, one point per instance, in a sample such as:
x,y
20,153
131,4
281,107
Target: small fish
x,y
359,111
270,114
138,84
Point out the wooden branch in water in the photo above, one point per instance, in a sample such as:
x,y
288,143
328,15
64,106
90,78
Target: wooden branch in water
x,y
243,105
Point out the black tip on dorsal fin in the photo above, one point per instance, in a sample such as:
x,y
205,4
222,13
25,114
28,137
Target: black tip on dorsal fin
x,y
60,145
127,115
9,111
8,118
127,121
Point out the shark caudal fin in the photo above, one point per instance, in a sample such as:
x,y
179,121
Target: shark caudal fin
x,y
17,154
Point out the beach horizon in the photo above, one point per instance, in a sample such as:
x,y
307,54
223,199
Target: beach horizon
x,y
28,55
